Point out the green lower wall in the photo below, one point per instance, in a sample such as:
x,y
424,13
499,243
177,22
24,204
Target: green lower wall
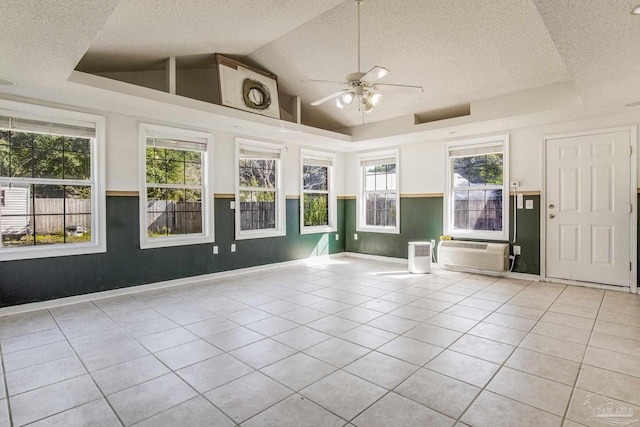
x,y
421,220
125,264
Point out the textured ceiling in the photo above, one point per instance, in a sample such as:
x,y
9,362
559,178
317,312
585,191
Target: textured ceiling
x,y
461,51
598,41
458,50
44,39
142,32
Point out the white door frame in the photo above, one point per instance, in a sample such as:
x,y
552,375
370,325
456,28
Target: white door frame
x,y
633,197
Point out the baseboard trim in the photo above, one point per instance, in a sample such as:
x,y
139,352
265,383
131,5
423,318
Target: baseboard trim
x,y
624,289
376,257
59,302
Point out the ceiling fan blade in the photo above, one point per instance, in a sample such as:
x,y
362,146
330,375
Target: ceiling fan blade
x,y
391,86
328,98
376,73
324,81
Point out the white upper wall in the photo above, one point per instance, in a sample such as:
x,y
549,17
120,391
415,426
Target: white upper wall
x,y
422,165
122,157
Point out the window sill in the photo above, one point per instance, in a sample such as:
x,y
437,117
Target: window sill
x,y
50,251
259,234
165,242
318,229
385,230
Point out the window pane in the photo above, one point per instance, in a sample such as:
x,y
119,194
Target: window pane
x,y
370,209
169,166
47,222
390,214
48,164
476,199
188,213
77,159
193,172
478,210
157,221
77,207
493,169
370,182
380,177
477,170
173,212
461,200
16,215
461,220
258,173
380,209
316,209
44,156
155,170
174,170
4,153
315,177
21,161
490,220
391,181
257,210
494,199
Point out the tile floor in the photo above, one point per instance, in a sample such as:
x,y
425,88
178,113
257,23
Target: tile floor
x,y
350,342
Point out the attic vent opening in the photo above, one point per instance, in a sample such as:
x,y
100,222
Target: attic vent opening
x,y
443,114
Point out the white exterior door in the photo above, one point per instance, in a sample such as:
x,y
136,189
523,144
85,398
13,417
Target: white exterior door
x,y
588,208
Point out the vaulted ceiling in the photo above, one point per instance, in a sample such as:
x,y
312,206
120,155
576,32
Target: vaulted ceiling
x,y
462,52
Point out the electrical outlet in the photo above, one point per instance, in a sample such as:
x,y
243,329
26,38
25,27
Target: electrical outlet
x,y
232,204
355,237
233,247
520,201
215,250
337,237
516,250
515,184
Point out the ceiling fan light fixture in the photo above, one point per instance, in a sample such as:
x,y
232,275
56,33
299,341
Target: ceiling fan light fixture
x,y
348,97
636,10
339,104
375,99
367,106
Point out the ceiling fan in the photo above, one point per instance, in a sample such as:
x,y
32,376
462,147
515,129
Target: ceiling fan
x,y
362,87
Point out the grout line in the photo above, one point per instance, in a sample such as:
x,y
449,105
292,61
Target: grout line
x,y
87,372
171,371
6,388
398,287
575,382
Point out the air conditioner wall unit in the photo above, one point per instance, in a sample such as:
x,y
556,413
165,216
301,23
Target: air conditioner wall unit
x,y
473,255
419,257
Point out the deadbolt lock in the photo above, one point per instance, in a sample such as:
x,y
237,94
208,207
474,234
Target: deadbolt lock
x,y
552,206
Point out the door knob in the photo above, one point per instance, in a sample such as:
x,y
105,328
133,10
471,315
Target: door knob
x,y
551,216
552,206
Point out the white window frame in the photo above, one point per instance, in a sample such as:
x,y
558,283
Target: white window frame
x,y
280,229
480,143
330,158
97,183
207,235
361,199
